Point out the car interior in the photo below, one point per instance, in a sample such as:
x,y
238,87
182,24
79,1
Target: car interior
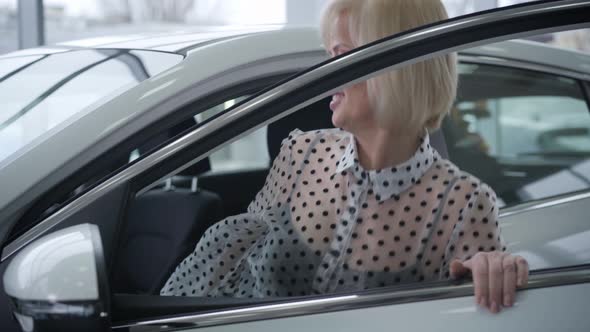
x,y
193,200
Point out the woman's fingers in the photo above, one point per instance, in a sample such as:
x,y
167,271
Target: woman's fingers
x,y
522,267
459,269
496,280
496,276
480,272
510,276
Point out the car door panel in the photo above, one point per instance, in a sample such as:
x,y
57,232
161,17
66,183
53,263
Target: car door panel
x,y
546,309
551,234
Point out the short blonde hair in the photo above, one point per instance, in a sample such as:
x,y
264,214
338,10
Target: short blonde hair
x,y
419,95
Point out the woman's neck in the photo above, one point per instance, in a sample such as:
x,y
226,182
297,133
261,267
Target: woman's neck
x,y
380,148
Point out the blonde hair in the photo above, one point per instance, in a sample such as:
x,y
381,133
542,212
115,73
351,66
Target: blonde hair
x,y
419,95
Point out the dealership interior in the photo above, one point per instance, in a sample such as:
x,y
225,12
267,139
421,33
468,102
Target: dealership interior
x,y
30,23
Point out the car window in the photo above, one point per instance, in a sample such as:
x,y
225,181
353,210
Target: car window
x,y
521,131
248,152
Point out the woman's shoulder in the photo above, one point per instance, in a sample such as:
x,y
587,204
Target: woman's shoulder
x,y
306,139
467,183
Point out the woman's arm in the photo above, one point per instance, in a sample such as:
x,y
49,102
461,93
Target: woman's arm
x,y
223,248
280,177
477,248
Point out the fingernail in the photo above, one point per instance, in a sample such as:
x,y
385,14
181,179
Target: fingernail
x,y
508,301
519,282
495,308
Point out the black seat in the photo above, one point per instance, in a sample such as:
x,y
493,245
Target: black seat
x,y
163,227
318,116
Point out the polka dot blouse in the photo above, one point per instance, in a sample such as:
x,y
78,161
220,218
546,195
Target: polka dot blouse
x,y
323,224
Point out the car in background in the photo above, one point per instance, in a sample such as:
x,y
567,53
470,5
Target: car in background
x,y
116,156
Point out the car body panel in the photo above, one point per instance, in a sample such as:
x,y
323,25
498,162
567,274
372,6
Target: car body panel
x,y
560,235
458,314
61,86
174,41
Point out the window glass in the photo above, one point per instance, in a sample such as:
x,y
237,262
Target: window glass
x,y
526,133
249,152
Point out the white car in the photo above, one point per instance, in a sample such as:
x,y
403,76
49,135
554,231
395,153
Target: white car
x,y
116,154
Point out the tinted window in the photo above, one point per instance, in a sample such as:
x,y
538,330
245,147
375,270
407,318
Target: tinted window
x,y
248,152
526,133
61,85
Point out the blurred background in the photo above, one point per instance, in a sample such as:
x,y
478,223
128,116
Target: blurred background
x,y
27,23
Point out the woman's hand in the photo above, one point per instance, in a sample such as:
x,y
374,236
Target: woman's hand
x,y
496,275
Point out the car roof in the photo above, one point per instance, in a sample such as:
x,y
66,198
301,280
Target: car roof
x,y
182,41
176,41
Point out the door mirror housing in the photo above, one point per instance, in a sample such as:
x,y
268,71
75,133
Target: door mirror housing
x,y
59,282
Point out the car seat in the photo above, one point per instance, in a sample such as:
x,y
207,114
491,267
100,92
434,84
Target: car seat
x,y
163,227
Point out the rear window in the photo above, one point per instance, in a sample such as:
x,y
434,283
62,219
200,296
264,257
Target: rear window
x,y
39,93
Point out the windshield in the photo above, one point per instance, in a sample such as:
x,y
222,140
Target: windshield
x,y
40,92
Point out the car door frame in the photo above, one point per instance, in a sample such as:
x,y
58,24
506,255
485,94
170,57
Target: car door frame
x,y
319,82
581,79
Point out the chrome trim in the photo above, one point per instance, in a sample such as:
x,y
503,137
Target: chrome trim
x,y
521,64
544,203
381,297
251,106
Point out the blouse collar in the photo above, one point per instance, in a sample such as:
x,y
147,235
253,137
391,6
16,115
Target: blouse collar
x,y
389,182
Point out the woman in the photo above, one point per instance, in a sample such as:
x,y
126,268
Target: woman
x,y
370,204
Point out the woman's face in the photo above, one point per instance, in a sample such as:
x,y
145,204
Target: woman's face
x,y
350,107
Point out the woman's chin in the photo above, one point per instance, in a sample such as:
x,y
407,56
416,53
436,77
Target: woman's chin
x,y
337,121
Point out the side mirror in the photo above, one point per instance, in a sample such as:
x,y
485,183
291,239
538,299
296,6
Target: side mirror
x,y
59,282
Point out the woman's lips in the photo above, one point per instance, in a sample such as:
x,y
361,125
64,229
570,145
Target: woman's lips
x,y
336,100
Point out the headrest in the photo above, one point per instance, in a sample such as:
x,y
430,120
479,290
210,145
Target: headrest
x,y
318,116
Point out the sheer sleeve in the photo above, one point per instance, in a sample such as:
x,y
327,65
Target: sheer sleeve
x,y
222,251
477,231
280,177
